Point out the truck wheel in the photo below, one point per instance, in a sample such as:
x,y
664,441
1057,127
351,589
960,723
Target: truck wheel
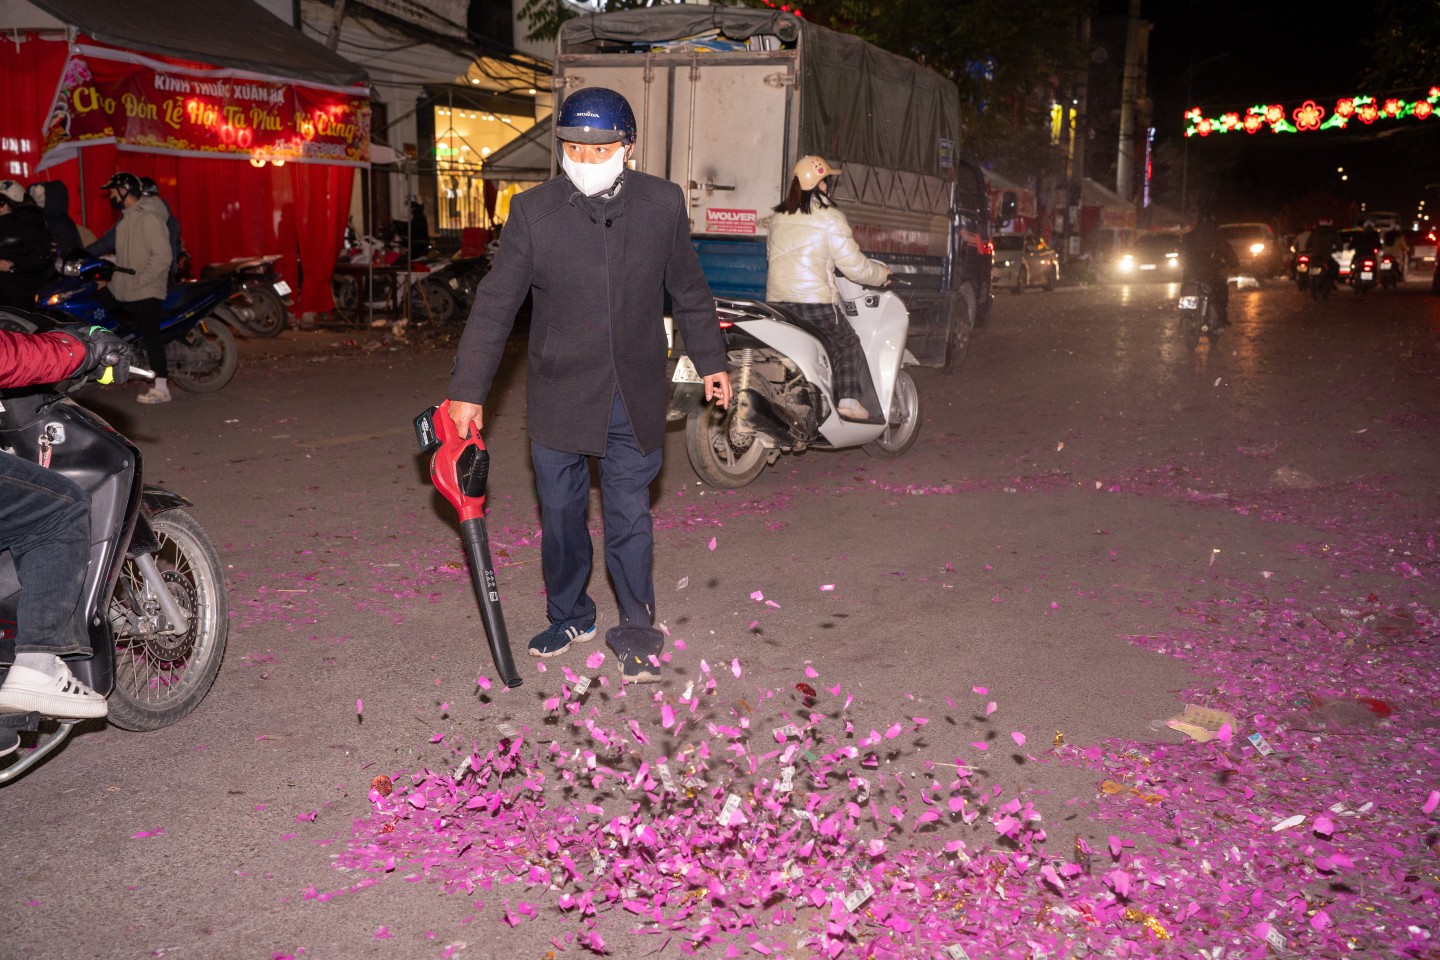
x,y
717,459
962,325
903,421
1022,280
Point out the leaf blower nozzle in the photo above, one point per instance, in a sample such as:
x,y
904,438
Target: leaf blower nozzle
x,y
460,470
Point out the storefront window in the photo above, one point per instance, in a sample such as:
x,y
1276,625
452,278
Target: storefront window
x,y
464,137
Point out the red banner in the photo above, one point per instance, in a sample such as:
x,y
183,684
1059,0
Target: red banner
x,y
157,105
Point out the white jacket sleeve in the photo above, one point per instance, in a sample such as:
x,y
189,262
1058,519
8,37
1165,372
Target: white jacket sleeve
x,y
849,258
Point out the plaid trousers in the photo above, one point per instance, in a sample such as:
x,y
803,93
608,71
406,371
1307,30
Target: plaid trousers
x,y
847,358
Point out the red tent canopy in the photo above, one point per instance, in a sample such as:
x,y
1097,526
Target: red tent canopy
x,y
229,202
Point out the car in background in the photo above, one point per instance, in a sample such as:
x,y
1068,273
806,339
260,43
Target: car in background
x,y
1024,260
1422,246
1153,256
1256,248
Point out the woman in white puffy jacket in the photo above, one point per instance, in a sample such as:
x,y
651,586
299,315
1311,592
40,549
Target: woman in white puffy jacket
x,y
809,240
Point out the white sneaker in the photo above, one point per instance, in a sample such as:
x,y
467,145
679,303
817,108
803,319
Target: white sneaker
x,y
852,409
154,396
60,696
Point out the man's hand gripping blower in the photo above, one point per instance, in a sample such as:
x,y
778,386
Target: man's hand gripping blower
x,y
460,468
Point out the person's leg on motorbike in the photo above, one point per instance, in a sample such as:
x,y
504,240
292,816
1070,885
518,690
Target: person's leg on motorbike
x,y
625,477
145,316
846,354
45,524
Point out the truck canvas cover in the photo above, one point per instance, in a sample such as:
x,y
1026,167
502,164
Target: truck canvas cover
x,y
858,103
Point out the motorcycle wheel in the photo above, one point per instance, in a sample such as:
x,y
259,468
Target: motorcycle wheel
x,y
345,291
268,309
204,360
433,302
903,421
715,459
160,678
1190,328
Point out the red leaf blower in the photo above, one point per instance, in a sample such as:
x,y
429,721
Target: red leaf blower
x,y
460,469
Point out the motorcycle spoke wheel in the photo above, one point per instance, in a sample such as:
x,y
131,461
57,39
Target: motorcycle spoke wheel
x,y
268,310
162,675
714,453
903,421
204,360
1190,328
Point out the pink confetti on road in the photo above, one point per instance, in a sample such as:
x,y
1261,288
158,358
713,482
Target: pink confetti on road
x,y
1432,802
595,660
980,690
827,586
146,834
359,707
1018,737
757,596
712,544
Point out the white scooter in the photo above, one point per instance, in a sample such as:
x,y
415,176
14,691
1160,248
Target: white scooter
x,y
784,401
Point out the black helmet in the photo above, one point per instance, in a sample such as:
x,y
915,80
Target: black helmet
x,y
127,183
149,188
595,115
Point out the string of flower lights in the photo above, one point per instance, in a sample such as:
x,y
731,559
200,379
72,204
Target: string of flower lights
x,y
1310,116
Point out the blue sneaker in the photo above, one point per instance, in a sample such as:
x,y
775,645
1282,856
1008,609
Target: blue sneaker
x,y
556,639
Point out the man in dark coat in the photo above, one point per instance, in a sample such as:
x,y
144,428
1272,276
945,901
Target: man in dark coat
x,y
599,248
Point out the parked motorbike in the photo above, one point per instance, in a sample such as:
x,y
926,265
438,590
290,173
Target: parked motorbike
x,y
153,603
1199,314
260,302
199,346
446,293
783,398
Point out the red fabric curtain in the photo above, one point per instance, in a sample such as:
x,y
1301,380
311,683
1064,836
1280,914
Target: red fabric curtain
x,y
226,208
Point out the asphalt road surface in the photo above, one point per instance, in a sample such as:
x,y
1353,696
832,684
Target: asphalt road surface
x,y
1083,484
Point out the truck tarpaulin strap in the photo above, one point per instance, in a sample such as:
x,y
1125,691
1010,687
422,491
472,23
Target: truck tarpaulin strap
x,y
160,105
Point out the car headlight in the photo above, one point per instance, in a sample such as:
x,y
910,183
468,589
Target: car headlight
x,y
1257,248
1125,263
1172,259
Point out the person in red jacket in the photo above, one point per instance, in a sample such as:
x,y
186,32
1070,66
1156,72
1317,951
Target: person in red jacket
x,y
45,524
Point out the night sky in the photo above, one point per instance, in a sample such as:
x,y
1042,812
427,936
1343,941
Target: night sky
x,y
1279,53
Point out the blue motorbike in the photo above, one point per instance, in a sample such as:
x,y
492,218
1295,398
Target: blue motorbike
x,y
200,348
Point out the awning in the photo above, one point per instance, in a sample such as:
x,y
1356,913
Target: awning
x,y
526,159
239,34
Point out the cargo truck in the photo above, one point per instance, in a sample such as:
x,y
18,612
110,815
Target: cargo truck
x,y
727,99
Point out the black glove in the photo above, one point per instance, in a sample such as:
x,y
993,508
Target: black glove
x,y
107,357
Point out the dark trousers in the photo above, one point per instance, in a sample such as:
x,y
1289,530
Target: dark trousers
x,y
563,480
45,524
145,316
847,357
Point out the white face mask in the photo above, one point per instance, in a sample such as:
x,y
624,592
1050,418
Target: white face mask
x,y
594,178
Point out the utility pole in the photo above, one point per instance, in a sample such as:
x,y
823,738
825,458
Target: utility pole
x,y
333,40
1125,158
1080,132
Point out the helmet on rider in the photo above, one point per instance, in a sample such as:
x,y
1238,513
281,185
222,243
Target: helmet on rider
x,y
810,170
595,115
12,194
126,184
149,188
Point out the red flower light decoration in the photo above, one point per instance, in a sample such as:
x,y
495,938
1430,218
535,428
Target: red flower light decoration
x,y
1274,114
1253,122
1435,92
1393,107
1345,107
1422,109
1204,127
1368,112
1308,115
1232,120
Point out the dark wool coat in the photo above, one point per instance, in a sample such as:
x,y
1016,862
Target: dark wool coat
x,y
599,271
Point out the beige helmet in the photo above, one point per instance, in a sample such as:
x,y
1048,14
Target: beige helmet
x,y
12,192
811,170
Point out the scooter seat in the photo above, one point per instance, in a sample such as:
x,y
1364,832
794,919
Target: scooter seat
x,y
184,297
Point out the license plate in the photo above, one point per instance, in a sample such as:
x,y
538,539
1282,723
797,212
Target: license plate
x,y
1314,271
1367,275
1147,266
685,371
1189,303
1386,266
282,288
